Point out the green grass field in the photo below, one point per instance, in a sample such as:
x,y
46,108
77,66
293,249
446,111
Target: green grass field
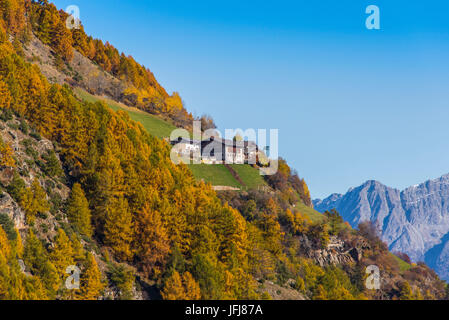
x,y
403,266
216,174
314,215
249,175
154,125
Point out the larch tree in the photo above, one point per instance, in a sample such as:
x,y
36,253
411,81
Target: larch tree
x,y
34,200
118,229
5,96
6,155
91,286
192,288
174,289
320,293
78,211
5,250
62,41
62,254
36,259
406,292
62,257
152,241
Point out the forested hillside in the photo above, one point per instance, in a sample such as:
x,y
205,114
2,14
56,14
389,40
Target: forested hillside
x,y
84,185
137,85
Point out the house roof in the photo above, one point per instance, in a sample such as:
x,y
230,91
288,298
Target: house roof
x,y
184,140
217,142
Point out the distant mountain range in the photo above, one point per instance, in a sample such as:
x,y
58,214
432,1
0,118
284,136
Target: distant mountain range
x,y
414,221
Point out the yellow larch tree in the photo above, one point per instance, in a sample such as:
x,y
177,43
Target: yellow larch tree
x,y
174,289
5,96
192,288
6,155
78,210
118,231
153,243
34,200
62,254
91,286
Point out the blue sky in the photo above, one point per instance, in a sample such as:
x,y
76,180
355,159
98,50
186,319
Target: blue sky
x,y
350,104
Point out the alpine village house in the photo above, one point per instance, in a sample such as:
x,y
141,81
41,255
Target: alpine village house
x,y
217,150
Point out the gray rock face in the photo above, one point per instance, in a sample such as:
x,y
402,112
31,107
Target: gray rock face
x,y
414,221
11,208
337,252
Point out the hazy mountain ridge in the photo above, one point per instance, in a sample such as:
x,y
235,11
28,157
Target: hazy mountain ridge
x,y
414,221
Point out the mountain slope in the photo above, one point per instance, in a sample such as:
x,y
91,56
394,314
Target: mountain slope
x,y
127,215
414,221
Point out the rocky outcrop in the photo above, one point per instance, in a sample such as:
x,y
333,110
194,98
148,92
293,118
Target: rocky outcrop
x,y
278,292
9,207
29,152
414,221
88,75
337,252
6,176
